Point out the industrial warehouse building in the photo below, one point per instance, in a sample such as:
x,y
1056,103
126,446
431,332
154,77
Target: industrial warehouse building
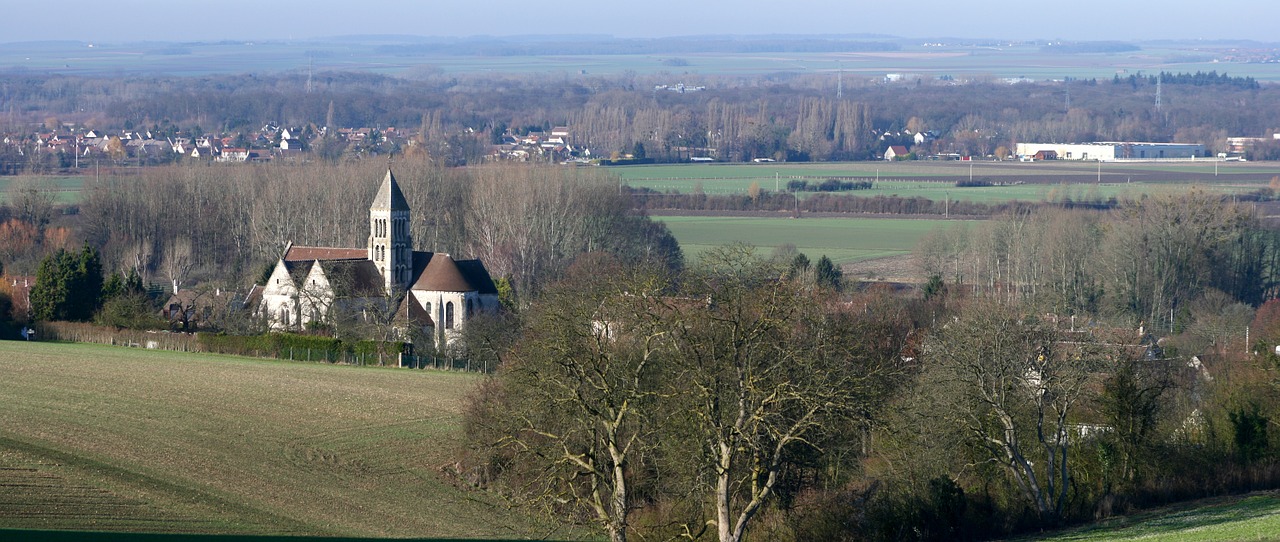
x,y
1108,151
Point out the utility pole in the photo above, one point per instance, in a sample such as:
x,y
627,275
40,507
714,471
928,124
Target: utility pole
x,y
839,80
1159,84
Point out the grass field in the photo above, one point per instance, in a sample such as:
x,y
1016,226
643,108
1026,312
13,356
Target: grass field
x,y
844,240
66,188
1256,517
1040,181
98,438
958,60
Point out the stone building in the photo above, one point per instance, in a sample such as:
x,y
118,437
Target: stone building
x,y
421,294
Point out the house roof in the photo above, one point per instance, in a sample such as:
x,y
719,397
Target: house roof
x,y
477,276
353,278
389,195
410,310
298,269
299,253
439,272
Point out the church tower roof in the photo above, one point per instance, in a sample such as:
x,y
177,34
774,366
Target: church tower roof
x,y
389,195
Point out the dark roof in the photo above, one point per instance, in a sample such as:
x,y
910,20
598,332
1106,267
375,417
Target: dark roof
x,y
300,253
254,297
477,276
353,278
389,195
298,269
412,311
439,272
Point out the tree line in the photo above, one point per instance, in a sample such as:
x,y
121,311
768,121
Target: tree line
x,y
1036,381
208,227
780,116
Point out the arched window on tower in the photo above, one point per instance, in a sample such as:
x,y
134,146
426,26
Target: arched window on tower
x,y
448,315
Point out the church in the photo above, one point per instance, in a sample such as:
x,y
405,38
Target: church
x,y
433,295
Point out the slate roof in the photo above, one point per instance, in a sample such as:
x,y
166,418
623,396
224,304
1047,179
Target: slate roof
x,y
389,195
412,312
298,269
302,253
477,276
353,278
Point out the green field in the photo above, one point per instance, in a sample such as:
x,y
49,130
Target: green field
x,y
98,438
66,188
844,240
913,60
1253,518
1039,181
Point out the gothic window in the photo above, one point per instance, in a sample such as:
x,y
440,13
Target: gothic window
x,y
470,309
448,315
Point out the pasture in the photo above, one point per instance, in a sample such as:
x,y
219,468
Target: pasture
x,y
844,240
1036,181
1256,517
99,438
65,188
959,60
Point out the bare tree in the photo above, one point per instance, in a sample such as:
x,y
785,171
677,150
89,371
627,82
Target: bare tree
x,y
580,392
1007,379
765,369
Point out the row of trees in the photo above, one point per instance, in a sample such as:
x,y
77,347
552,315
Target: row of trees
x,y
184,225
1145,261
740,117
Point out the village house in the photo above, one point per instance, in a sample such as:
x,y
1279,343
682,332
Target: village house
x,y
432,294
896,152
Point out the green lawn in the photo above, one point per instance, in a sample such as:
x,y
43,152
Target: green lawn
x,y
66,189
842,239
1039,181
1253,518
98,438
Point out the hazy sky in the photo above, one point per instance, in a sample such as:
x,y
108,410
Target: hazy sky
x,y
144,20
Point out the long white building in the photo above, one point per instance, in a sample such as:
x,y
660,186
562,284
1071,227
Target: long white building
x,y
1108,151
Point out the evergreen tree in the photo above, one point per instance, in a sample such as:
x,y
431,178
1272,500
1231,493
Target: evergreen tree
x,y
825,273
68,286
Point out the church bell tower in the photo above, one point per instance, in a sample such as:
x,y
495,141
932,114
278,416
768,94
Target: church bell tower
x,y
390,242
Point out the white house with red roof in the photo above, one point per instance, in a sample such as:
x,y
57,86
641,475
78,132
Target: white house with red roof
x,y
433,294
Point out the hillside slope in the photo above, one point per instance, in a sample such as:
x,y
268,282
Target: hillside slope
x,y
114,439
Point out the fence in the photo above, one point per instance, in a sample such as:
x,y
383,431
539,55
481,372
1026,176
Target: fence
x,y
254,346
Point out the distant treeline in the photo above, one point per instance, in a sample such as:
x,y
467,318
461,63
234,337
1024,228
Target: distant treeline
x,y
1090,47
1198,79
653,200
829,185
791,117
637,47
